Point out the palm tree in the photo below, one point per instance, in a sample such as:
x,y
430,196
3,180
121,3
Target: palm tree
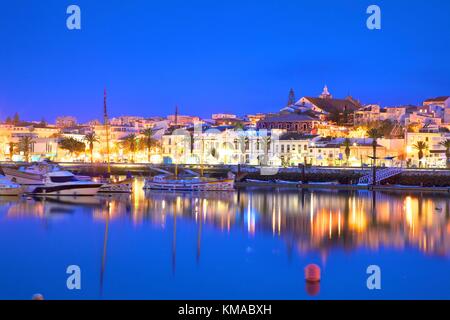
x,y
347,144
446,145
420,146
149,141
25,145
130,144
71,145
374,134
265,141
12,148
239,126
90,139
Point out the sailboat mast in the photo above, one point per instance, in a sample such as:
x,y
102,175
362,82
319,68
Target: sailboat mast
x,y
176,143
106,123
202,160
176,115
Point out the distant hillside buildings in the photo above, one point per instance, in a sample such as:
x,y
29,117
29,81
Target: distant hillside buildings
x,y
321,130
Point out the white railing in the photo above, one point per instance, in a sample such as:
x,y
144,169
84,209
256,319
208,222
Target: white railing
x,y
381,175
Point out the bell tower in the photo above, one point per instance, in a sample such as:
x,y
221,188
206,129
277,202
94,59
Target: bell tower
x,y
325,94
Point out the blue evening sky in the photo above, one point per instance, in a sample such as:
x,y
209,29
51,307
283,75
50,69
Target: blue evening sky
x,y
216,56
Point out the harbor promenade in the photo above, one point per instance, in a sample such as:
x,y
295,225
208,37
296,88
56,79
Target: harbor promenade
x,y
339,178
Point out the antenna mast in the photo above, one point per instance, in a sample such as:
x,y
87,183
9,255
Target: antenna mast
x,y
106,123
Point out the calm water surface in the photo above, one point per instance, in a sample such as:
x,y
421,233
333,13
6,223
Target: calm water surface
x,y
248,245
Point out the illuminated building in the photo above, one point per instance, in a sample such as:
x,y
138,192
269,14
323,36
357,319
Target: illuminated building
x,y
434,155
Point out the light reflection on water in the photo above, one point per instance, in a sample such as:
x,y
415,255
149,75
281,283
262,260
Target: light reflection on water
x,y
247,244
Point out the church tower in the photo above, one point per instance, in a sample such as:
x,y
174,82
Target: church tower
x,y
325,94
291,98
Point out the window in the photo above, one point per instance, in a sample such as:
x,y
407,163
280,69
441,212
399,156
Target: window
x,y
63,179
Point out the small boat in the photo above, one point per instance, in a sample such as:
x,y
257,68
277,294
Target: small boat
x,y
287,182
124,186
26,176
172,183
64,183
258,181
190,181
8,188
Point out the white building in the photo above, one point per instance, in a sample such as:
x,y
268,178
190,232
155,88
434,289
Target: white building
x,y
219,146
440,107
434,154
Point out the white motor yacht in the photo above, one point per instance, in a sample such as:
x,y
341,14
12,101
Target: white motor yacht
x,y
34,174
64,183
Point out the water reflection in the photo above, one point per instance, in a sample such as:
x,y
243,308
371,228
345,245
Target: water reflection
x,y
305,220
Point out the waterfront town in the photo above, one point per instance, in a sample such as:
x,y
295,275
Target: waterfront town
x,y
320,130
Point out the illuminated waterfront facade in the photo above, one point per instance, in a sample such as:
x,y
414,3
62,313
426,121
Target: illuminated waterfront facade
x,y
311,131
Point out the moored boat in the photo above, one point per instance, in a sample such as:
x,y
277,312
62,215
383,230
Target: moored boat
x,y
8,188
64,183
287,182
124,186
28,176
258,181
172,183
33,174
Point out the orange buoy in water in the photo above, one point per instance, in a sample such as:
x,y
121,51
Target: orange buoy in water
x,y
38,296
312,273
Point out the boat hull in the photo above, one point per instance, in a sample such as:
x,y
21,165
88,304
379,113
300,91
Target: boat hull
x,y
66,190
10,191
116,188
219,185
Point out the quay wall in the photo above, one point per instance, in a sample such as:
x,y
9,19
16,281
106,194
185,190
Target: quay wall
x,y
341,175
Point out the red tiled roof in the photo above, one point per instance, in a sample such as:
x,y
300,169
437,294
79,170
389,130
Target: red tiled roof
x,y
290,117
438,99
334,105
